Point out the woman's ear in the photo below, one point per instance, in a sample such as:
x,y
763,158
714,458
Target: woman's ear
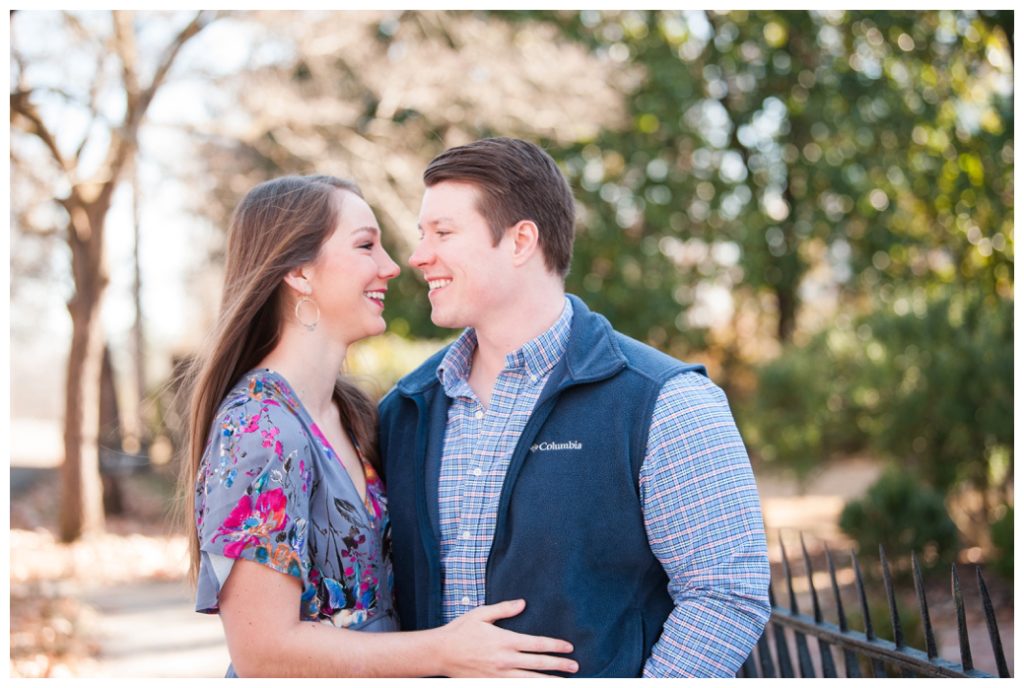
x,y
525,238
298,281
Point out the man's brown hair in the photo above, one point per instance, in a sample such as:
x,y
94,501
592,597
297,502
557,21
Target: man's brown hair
x,y
517,181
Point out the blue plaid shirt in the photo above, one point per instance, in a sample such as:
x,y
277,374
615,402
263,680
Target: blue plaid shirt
x,y
700,503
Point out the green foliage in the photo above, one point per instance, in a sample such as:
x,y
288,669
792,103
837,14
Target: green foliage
x,y
1002,538
903,515
756,136
807,404
925,382
947,404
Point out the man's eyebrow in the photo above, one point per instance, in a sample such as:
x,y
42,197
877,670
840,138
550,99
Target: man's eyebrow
x,y
438,221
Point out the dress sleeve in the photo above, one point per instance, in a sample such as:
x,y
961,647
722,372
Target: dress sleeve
x,y
252,495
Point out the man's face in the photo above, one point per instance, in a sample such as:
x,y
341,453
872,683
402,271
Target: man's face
x,y
468,277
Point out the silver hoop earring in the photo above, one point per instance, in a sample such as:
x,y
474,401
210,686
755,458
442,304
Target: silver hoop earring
x,y
298,315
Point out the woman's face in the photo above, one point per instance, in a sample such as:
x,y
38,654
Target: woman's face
x,y
350,275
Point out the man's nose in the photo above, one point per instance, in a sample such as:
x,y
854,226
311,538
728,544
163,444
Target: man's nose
x,y
421,256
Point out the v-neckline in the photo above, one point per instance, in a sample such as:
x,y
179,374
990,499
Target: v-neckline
x,y
322,438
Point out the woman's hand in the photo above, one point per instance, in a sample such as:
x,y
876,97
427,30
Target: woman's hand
x,y
472,646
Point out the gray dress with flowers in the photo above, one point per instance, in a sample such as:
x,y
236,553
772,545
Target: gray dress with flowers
x,y
271,489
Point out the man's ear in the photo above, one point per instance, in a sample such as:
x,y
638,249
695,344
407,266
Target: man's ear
x,y
525,241
298,280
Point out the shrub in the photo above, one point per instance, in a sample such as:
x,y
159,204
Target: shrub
x,y
805,409
903,515
926,382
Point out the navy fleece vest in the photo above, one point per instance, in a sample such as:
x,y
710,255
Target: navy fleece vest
x,y
570,536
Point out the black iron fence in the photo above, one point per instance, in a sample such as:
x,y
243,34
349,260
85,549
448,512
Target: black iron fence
x,y
863,653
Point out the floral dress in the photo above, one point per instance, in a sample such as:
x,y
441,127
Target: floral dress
x,y
271,489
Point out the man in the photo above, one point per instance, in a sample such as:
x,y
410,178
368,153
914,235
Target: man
x,y
545,456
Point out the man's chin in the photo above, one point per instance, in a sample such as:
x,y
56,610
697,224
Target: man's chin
x,y
446,321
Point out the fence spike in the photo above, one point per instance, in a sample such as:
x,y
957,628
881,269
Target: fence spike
x,y
922,603
828,667
803,655
835,589
890,598
890,593
852,666
961,624
793,608
993,627
810,580
869,630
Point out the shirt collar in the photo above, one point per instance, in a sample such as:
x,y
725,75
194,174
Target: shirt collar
x,y
536,357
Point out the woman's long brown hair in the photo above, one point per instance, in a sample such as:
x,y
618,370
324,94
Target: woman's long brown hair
x,y
279,225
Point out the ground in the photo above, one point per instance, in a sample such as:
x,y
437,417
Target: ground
x,y
117,605
114,605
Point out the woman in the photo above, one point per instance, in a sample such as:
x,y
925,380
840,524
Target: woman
x,y
290,514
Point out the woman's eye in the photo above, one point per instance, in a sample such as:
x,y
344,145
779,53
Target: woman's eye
x,y
367,245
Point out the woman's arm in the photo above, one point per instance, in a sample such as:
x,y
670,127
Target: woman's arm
x,y
259,610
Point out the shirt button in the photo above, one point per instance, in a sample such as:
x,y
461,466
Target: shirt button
x,y
477,472
533,378
466,535
478,415
465,601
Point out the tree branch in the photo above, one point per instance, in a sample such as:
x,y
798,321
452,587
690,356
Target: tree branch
x,y
125,137
124,45
198,23
21,105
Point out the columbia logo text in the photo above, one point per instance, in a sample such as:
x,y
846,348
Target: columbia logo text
x,y
557,446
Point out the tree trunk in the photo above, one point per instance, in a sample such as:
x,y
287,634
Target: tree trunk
x,y
82,492
786,300
110,444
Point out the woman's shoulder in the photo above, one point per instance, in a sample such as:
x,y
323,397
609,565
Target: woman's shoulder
x,y
260,398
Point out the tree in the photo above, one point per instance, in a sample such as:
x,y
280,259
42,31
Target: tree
x,y
762,145
375,95
84,190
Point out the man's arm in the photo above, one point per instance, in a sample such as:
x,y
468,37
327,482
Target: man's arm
x,y
704,524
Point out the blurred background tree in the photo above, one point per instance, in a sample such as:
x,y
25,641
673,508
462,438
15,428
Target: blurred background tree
x,y
817,205
78,169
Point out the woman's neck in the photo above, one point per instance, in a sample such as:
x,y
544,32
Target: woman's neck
x,y
310,362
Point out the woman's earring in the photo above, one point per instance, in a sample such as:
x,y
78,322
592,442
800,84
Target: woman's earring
x,y
298,313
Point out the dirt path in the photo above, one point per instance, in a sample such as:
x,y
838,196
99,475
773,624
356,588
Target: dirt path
x,y
148,629
815,510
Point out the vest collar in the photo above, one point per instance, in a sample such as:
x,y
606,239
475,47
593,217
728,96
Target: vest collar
x,y
592,354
